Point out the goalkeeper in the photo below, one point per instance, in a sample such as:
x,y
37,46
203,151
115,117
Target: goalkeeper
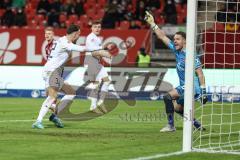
x,y
176,95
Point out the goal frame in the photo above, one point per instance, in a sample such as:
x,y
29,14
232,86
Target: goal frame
x,y
189,79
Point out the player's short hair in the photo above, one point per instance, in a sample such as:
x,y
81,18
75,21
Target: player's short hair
x,y
72,28
183,34
48,29
96,22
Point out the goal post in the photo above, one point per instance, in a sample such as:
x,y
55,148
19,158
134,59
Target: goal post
x,y
213,32
189,72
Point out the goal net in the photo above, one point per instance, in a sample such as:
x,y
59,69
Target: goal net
x,y
218,43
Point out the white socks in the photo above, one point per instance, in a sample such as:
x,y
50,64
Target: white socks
x,y
44,109
93,103
64,102
93,96
103,93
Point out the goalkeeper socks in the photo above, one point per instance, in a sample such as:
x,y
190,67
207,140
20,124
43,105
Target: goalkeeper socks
x,y
44,109
169,108
170,117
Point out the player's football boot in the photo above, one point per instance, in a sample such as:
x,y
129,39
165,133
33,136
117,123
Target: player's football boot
x,y
37,125
58,123
168,128
197,126
96,110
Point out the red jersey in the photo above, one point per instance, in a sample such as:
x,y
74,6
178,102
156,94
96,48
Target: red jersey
x,y
48,48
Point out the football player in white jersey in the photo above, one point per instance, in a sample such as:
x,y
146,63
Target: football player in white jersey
x,y
96,72
60,54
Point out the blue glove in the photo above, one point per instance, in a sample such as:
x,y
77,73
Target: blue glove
x,y
204,97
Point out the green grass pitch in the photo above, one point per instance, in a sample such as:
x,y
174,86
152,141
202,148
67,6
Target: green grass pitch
x,y
125,133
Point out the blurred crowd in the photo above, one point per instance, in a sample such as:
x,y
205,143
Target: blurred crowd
x,y
120,14
228,11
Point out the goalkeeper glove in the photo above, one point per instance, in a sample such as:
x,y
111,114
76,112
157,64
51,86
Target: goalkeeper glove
x,y
150,20
204,97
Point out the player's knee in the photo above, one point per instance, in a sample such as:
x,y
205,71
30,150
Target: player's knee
x,y
178,110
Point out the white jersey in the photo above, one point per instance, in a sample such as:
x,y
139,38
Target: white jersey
x,y
60,52
92,41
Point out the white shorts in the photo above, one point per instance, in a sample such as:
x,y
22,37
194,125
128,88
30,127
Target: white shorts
x,y
96,75
53,78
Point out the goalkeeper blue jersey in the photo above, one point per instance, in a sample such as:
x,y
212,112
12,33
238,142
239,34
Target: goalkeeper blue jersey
x,y
180,66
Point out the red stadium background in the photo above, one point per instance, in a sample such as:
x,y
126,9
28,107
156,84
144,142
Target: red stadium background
x,y
26,46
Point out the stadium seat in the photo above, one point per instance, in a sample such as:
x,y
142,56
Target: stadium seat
x,y
90,4
3,27
62,18
138,23
14,27
67,22
91,1
97,7
2,11
80,24
180,19
160,19
25,27
102,2
73,18
33,24
34,3
124,25
90,13
39,18
179,8
101,13
96,17
84,20
217,26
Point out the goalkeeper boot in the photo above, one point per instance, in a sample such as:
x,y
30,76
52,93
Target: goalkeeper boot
x,y
198,125
37,125
168,128
58,123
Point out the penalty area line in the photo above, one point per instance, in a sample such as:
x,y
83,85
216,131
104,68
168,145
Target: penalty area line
x,y
159,156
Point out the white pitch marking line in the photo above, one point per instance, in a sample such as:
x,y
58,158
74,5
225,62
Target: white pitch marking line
x,y
159,156
19,120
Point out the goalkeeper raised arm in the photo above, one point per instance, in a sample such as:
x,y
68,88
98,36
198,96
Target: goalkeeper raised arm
x,y
174,99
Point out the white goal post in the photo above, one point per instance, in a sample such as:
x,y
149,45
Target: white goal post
x,y
217,40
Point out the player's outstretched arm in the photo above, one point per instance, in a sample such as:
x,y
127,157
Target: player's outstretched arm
x,y
101,53
160,34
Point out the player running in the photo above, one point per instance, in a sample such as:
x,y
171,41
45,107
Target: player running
x,y
96,72
49,37
178,47
60,53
